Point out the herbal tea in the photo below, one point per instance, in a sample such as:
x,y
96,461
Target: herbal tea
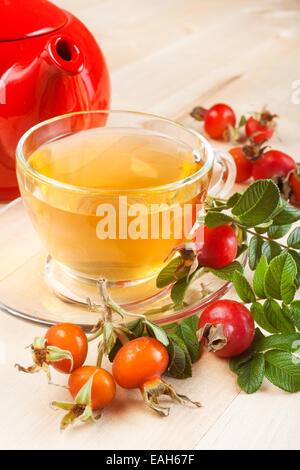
x,y
114,221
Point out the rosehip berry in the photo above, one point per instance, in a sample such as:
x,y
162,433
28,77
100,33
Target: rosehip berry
x,y
217,119
216,247
272,163
232,329
257,131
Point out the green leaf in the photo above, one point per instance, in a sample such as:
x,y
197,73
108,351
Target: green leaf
x,y
227,272
293,240
180,287
113,352
136,326
254,252
168,274
270,249
278,231
294,313
187,372
215,219
243,287
296,257
236,362
242,121
233,199
177,360
192,322
252,374
190,339
241,249
259,278
283,342
288,215
157,332
282,204
261,229
257,203
276,316
259,315
283,370
279,278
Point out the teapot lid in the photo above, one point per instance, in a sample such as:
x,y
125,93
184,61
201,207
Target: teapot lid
x,y
21,19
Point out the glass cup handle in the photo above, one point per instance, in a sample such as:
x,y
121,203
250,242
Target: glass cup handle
x,y
224,164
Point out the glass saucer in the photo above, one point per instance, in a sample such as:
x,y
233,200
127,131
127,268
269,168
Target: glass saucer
x,y
25,275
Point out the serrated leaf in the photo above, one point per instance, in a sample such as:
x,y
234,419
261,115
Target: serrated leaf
x,y
288,215
168,274
278,231
279,278
188,363
233,199
259,315
276,316
283,370
226,273
282,204
215,219
192,322
254,253
293,240
296,258
243,287
283,342
257,203
176,359
190,339
252,374
294,313
180,287
157,332
236,362
270,249
259,278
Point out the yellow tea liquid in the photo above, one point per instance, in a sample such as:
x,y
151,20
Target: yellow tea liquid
x,y
117,161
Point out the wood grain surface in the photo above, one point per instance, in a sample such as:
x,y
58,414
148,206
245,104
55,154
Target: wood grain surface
x,y
166,57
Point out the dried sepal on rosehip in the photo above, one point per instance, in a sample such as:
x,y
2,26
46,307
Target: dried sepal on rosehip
x,y
188,256
140,364
64,347
92,388
43,356
289,185
213,337
253,151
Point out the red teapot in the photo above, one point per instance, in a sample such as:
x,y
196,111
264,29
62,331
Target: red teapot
x,y
50,64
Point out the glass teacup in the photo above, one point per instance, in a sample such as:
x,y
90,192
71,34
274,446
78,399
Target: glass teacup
x,y
111,193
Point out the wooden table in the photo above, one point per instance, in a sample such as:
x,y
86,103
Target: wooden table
x,y
165,57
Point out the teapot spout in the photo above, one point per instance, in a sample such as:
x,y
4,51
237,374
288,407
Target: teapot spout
x,y
65,54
